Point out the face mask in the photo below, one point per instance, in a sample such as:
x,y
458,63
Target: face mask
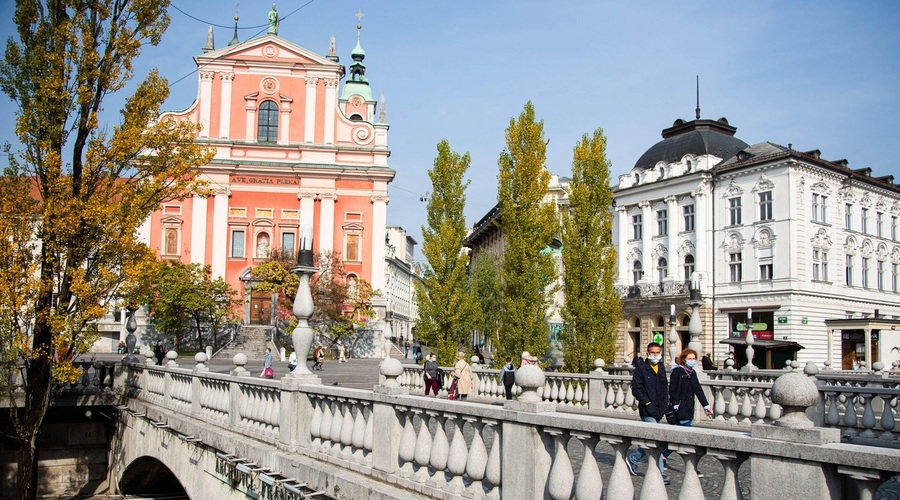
x,y
654,359
690,363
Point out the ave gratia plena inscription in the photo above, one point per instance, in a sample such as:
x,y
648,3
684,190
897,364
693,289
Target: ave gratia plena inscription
x,y
279,181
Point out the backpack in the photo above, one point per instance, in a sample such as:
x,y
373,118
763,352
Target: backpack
x,y
509,376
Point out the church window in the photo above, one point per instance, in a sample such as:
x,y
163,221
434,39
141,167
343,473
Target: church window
x,y
237,243
267,129
287,242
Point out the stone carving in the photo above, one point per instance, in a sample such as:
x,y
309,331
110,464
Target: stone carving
x,y
821,239
227,76
269,85
686,248
850,245
764,183
764,238
821,188
206,74
734,243
733,190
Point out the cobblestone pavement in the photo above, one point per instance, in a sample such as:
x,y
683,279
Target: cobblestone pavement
x,y
363,374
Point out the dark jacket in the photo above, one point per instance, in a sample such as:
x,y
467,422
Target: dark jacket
x,y
650,389
683,386
431,368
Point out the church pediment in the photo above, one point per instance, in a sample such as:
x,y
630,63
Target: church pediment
x,y
269,48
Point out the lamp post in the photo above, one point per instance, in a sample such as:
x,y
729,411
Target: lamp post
x,y
695,326
302,336
130,339
673,336
750,340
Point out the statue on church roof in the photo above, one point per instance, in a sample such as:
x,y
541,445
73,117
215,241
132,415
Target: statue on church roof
x,y
273,21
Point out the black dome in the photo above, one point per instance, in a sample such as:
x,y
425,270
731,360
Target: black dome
x,y
698,137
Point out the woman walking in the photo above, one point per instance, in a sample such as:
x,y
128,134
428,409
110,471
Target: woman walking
x,y
268,372
462,373
431,375
684,386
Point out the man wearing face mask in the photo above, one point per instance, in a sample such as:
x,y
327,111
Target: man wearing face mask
x,y
651,389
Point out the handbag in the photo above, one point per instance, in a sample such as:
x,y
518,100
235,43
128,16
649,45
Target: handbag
x,y
269,373
670,415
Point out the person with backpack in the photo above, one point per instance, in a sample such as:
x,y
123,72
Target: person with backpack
x,y
508,377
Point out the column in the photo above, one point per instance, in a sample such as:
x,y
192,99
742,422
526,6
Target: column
x,y
225,106
220,233
675,269
830,357
309,127
624,275
284,128
701,261
331,85
379,226
867,341
198,230
326,221
250,107
646,241
206,78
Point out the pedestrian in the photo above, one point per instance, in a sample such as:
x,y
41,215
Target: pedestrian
x,y
707,362
508,377
479,355
462,373
341,352
734,363
267,370
636,360
317,357
406,350
684,386
651,390
160,352
431,375
292,361
122,347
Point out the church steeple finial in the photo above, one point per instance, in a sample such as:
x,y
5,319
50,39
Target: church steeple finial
x,y
697,111
357,68
210,42
382,114
234,40
332,51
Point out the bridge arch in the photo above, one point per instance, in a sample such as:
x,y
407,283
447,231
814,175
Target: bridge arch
x,y
147,476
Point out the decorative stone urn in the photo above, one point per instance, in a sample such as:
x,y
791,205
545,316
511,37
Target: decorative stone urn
x,y
529,378
795,392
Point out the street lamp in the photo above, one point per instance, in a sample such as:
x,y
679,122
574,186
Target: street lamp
x,y
673,335
302,336
750,340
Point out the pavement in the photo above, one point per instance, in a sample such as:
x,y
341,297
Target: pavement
x,y
363,374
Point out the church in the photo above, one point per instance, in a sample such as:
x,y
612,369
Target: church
x,y
299,141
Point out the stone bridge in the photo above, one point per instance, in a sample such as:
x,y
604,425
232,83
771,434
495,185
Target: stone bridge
x,y
232,435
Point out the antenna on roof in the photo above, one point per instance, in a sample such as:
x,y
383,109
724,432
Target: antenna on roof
x,y
697,111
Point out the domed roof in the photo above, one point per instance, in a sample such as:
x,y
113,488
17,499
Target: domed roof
x,y
698,138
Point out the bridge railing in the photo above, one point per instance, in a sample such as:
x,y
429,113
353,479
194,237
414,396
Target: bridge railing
x,y
520,450
863,404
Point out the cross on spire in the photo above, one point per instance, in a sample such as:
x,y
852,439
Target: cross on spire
x,y
359,16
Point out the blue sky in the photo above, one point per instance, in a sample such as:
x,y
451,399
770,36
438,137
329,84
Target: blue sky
x,y
817,74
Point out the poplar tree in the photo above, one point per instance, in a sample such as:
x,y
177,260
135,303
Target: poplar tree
x,y
529,224
446,306
76,193
484,281
592,309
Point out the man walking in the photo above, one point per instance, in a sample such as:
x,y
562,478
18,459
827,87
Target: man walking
x,y
651,389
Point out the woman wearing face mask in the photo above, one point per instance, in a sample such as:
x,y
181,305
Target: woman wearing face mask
x,y
683,386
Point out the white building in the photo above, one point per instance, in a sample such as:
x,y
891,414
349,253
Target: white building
x,y
797,238
400,276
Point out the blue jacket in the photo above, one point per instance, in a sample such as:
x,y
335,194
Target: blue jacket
x,y
651,390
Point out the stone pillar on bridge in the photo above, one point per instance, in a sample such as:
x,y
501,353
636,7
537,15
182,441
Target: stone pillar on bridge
x,y
386,441
772,475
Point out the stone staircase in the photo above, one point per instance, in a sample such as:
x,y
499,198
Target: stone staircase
x,y
250,340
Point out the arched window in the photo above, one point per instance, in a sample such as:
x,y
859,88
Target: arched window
x,y
638,271
662,267
688,266
267,129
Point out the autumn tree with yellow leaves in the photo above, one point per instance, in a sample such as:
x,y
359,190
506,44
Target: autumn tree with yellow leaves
x,y
75,194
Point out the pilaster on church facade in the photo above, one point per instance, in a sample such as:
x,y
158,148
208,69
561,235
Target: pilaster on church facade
x,y
287,155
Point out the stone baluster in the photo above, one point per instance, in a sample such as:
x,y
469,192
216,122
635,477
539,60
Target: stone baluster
x,y
579,396
887,418
456,462
731,461
337,421
315,424
561,480
867,481
369,437
850,419
719,403
760,411
620,485
423,447
590,483
476,462
746,403
440,449
358,434
347,429
653,486
733,407
325,425
610,402
832,416
690,485
492,471
407,448
868,419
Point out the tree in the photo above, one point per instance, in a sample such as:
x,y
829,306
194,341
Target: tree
x,y
592,309
80,190
484,283
529,224
342,304
275,276
446,307
185,297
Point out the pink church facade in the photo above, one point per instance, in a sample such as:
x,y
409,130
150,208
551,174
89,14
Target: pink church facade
x,y
296,144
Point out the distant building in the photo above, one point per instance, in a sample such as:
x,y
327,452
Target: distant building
x,y
294,147
399,291
799,239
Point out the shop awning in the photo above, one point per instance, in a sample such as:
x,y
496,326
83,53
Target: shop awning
x,y
765,344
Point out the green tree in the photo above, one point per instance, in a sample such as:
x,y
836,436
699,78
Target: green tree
x,y
275,276
484,283
529,224
446,307
82,189
342,304
185,297
592,309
